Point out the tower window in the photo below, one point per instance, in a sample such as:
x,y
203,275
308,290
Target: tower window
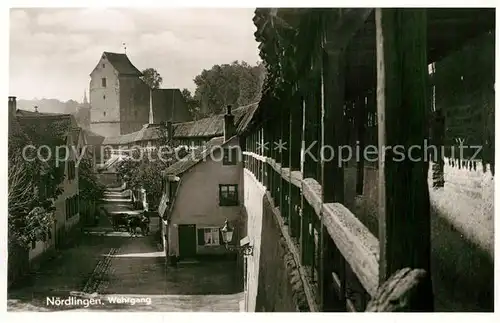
x,y
104,113
103,80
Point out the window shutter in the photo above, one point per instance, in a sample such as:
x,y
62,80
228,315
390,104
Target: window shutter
x,y
201,237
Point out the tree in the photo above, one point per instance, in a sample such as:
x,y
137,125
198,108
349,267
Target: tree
x,y
30,199
90,189
34,184
236,84
143,168
193,105
152,78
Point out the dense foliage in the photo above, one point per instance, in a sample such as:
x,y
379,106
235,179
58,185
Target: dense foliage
x,y
192,104
237,84
152,78
90,189
33,184
143,169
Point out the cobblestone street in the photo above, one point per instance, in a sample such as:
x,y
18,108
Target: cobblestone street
x,y
107,266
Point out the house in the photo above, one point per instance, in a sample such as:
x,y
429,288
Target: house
x,y
37,129
121,102
57,130
190,133
204,189
168,105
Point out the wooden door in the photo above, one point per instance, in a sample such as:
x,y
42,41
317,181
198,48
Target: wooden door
x,y
187,241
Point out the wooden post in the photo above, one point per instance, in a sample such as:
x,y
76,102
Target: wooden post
x,y
283,139
261,164
332,174
404,207
311,123
360,121
277,158
303,203
296,131
437,140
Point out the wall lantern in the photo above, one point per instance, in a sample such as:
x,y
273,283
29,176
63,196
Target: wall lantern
x,y
227,236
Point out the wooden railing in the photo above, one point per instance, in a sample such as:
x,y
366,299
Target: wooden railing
x,y
344,262
356,246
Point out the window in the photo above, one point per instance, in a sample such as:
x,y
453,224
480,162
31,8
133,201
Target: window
x,y
229,156
209,237
103,65
228,195
71,170
33,244
104,113
104,97
103,81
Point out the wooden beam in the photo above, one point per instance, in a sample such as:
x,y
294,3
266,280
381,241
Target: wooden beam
x,y
345,27
332,177
361,113
404,207
356,243
295,131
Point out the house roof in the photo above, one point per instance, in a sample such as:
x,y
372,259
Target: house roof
x,y
51,127
214,126
93,138
147,132
207,128
122,64
195,156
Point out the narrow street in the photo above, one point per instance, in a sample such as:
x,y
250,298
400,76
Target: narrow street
x,y
117,272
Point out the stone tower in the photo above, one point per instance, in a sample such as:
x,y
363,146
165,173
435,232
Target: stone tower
x,y
119,99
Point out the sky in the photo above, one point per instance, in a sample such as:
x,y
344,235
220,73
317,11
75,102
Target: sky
x,y
53,51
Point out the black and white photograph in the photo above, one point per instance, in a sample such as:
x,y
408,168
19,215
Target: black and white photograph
x,y
250,159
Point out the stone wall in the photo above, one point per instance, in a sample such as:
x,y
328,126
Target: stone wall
x,y
461,231
273,280
105,100
134,104
254,194
169,105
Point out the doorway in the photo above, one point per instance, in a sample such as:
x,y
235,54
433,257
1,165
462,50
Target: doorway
x,y
187,241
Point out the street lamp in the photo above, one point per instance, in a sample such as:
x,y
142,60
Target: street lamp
x,y
227,236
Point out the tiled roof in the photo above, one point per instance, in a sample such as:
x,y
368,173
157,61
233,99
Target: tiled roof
x,y
208,128
214,126
147,132
122,64
194,157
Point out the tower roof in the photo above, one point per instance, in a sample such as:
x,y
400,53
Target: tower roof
x,y
122,64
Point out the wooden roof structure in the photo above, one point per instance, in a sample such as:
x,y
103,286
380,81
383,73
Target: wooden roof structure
x,y
283,31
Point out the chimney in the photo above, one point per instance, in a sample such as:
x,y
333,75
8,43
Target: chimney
x,y
229,129
170,130
12,105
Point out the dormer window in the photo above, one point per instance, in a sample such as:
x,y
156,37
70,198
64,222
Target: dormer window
x,y
103,81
